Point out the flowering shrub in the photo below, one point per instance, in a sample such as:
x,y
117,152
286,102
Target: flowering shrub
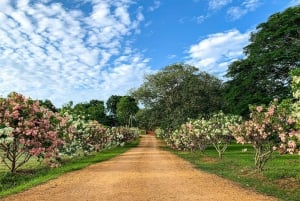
x,y
179,139
296,93
85,136
190,136
267,128
121,135
197,130
218,131
198,134
26,130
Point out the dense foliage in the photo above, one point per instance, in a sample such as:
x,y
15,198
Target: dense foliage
x,y
176,93
28,130
126,110
264,74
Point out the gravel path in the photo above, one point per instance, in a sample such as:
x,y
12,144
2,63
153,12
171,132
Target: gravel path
x,y
143,173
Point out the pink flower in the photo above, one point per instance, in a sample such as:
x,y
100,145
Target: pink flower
x,y
259,108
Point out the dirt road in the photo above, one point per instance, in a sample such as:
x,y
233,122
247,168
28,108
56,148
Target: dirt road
x,y
143,173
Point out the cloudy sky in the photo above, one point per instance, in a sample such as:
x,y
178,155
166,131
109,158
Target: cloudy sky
x,y
80,50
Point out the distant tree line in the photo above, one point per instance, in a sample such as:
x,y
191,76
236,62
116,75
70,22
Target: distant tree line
x,y
119,110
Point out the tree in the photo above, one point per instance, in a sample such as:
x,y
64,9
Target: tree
x,y
96,111
111,108
48,104
126,110
92,110
26,130
218,131
267,128
264,74
296,94
178,92
111,104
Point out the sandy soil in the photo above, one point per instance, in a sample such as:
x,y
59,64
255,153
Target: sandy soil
x,y
143,173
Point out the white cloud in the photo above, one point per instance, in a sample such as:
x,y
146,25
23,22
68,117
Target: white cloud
x,y
217,4
49,51
156,5
172,56
294,3
236,12
251,4
214,53
200,19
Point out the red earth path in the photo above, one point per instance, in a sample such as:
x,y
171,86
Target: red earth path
x,y
143,173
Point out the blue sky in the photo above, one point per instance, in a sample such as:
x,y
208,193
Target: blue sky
x,y
91,49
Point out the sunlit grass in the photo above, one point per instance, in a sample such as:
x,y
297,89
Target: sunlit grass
x,y
281,177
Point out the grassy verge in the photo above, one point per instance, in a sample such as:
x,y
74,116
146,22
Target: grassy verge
x,y
29,177
281,177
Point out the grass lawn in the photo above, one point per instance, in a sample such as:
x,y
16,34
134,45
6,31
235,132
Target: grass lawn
x,y
281,177
34,173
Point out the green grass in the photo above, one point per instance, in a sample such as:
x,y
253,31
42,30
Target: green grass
x,y
34,173
281,177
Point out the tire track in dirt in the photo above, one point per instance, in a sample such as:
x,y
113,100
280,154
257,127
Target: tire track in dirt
x,y
143,173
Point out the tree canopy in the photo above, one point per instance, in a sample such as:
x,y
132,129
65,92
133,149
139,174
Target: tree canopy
x,y
274,50
92,110
176,93
126,110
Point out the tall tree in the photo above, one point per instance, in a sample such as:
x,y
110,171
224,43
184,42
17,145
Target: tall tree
x,y
274,50
111,104
92,110
176,93
126,110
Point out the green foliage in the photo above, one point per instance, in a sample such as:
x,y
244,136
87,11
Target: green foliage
x,y
48,104
264,74
126,110
111,104
92,110
296,94
176,93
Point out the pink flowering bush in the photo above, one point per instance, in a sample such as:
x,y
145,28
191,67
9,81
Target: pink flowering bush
x,y
26,130
267,129
97,136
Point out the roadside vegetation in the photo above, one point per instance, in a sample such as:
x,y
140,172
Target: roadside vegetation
x,y
35,173
246,128
279,179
